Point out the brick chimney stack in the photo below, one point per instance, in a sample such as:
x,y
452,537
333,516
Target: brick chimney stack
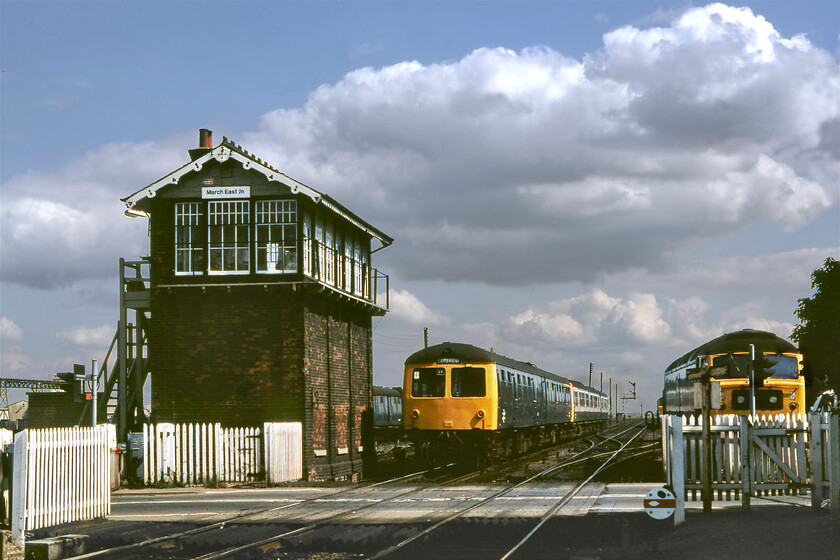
x,y
205,144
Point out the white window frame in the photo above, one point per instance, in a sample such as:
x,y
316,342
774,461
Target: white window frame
x,y
273,218
227,214
188,215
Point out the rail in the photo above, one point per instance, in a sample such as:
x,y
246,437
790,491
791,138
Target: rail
x,y
119,551
500,494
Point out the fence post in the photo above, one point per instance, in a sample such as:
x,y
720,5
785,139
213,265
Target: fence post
x,y
678,470
19,477
816,460
746,470
834,454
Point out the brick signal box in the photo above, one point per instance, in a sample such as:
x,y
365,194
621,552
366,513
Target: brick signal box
x,y
261,299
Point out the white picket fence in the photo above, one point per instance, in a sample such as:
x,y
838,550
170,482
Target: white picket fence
x,y
208,453
61,475
283,445
758,457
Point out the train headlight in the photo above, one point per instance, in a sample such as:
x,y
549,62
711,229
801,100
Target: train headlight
x,y
792,406
480,413
793,395
415,413
774,399
741,399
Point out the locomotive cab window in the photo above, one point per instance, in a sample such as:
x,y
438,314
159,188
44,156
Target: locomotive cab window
x,y
428,382
786,368
468,382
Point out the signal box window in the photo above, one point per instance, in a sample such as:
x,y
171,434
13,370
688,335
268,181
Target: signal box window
x,y
428,382
468,382
189,239
276,232
228,229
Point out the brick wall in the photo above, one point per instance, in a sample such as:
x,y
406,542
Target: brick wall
x,y
245,355
54,410
339,377
231,356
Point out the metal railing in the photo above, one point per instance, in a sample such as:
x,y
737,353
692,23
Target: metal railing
x,y
345,274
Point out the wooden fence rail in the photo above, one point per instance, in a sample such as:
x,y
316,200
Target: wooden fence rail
x,y
208,453
61,475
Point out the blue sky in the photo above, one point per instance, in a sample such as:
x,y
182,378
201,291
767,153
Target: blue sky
x,y
568,182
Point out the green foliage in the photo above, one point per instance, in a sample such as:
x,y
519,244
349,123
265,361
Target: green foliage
x,y
818,333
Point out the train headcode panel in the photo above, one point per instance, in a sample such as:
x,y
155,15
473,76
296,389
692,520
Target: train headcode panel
x,y
461,401
778,387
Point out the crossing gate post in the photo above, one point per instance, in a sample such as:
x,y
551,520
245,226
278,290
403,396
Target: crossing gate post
x,y
19,479
816,459
678,470
746,470
834,461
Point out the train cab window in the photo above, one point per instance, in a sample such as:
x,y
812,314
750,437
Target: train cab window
x,y
428,382
468,382
786,368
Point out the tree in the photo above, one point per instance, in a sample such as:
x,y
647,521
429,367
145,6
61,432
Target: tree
x,y
818,333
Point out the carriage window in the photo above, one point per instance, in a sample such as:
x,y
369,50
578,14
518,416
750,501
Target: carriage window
x,y
428,382
468,382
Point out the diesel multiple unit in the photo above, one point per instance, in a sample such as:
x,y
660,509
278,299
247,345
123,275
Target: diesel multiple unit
x,y
459,398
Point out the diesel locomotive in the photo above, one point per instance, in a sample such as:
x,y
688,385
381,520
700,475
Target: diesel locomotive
x,y
460,400
779,388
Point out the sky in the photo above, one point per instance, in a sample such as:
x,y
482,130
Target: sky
x,y
569,183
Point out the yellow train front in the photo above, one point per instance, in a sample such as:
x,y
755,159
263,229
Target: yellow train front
x,y
728,358
461,402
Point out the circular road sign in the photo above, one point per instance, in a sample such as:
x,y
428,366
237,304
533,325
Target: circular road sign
x,y
660,503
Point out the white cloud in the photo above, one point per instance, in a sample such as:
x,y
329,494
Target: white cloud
x,y
57,228
407,308
9,330
96,337
14,360
508,167
505,162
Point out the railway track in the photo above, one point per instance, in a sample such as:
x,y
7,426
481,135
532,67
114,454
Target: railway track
x,y
635,432
346,524
132,550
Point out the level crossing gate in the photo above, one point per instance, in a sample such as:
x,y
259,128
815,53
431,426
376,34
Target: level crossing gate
x,y
749,457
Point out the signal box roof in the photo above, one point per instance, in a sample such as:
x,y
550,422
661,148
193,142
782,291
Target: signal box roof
x,y
138,203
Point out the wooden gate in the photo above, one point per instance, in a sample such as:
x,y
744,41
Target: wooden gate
x,y
763,457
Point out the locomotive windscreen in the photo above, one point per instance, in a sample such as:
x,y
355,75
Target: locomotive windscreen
x,y
739,366
428,382
468,382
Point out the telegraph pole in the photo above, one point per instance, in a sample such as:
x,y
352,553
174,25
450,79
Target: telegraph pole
x,y
425,337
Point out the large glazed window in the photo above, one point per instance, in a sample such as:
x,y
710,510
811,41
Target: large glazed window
x,y
276,233
228,224
428,382
189,241
468,382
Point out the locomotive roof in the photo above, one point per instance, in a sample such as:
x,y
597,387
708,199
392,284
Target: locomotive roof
x,y
469,353
738,341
